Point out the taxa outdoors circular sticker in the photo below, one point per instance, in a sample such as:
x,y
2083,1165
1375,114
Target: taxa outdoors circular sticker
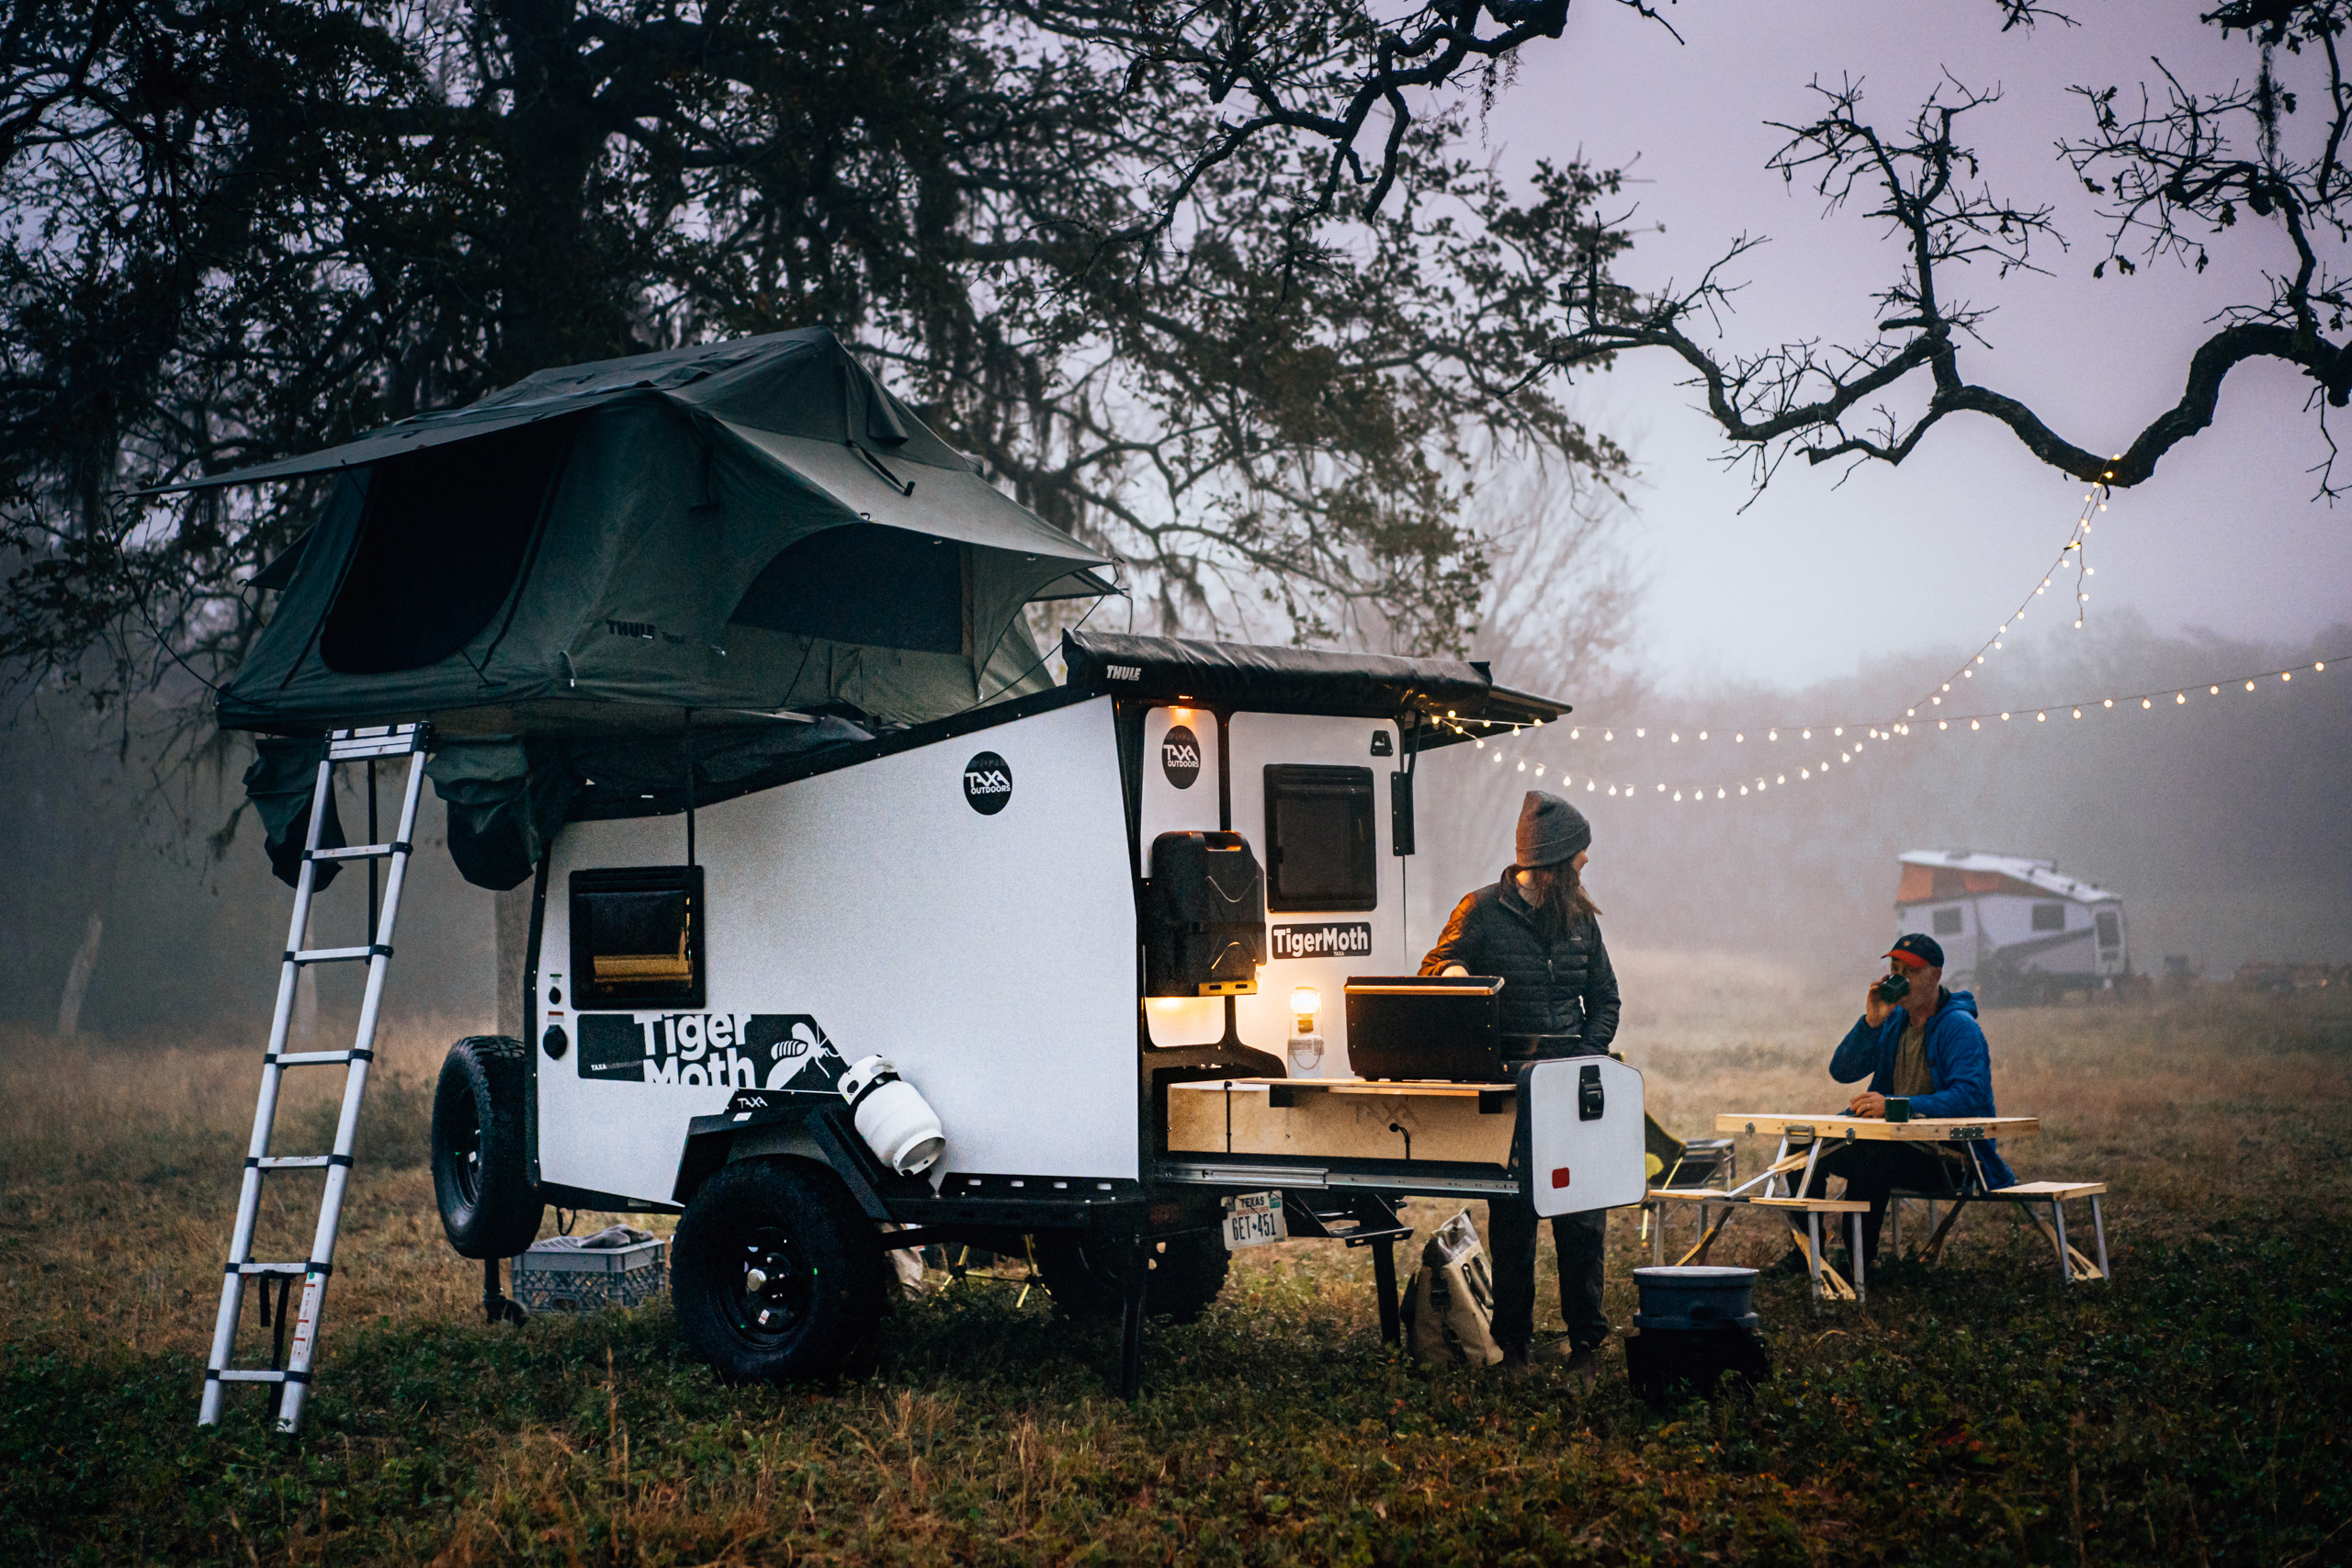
x,y
1179,756
988,783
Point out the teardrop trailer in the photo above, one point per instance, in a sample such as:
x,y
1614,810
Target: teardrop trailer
x,y
1102,932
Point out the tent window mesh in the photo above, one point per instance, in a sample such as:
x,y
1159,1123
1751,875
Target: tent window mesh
x,y
1319,852
442,540
864,584
1947,922
2049,917
636,939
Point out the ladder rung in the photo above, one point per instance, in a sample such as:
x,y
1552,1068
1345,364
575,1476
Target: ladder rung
x,y
321,1058
374,740
363,851
294,1162
250,1374
337,954
274,1270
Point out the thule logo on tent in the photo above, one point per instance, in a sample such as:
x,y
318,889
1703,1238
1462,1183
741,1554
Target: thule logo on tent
x,y
988,783
645,630
1123,671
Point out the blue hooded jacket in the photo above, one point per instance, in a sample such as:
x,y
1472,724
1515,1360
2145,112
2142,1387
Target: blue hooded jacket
x,y
1957,1056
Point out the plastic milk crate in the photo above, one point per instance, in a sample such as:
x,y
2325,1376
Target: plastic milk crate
x,y
565,1273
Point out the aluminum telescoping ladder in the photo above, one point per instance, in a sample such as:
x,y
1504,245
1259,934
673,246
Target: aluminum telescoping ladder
x,y
290,1367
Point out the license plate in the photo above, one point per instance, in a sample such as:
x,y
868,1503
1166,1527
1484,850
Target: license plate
x,y
1253,1219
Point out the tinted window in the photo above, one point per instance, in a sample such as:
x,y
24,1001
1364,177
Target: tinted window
x,y
2049,917
1319,839
1947,922
2111,930
442,540
636,938
863,583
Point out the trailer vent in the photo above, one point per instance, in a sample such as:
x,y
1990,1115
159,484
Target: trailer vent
x,y
636,938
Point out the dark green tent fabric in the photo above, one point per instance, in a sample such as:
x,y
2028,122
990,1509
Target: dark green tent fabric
x,y
604,549
282,778
503,807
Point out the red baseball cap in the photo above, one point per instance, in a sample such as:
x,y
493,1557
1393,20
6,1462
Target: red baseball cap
x,y
1918,951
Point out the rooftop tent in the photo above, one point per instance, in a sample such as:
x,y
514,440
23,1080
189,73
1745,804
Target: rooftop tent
x,y
738,527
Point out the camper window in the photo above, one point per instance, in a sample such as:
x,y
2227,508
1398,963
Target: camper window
x,y
442,541
1319,838
1947,922
2111,930
636,938
2049,917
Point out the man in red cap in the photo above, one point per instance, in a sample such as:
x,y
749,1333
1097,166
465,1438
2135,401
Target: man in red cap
x,y
1925,1049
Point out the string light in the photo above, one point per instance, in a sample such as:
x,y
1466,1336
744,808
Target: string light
x,y
1676,792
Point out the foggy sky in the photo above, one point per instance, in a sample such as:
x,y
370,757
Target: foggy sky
x,y
1802,585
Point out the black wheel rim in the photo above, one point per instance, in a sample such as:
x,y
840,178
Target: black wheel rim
x,y
769,1288
464,1161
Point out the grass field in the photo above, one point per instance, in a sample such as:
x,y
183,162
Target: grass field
x,y
1978,1414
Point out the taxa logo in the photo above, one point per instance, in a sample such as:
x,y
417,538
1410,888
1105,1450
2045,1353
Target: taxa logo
x,y
988,783
1179,756
730,1050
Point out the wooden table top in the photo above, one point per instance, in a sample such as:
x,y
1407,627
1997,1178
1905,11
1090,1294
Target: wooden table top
x,y
1919,1129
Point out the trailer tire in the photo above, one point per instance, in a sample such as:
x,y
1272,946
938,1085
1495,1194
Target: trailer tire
x,y
481,1178
1084,1274
776,1274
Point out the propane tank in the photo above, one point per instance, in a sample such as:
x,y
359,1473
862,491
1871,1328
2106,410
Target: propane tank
x,y
896,1123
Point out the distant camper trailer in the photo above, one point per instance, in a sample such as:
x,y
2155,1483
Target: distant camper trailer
x,y
2013,929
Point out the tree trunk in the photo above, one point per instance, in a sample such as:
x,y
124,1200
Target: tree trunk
x,y
77,978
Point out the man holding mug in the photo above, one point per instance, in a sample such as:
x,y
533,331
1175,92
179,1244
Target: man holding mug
x,y
1921,1049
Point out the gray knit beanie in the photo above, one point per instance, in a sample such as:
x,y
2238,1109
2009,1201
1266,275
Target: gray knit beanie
x,y
1550,831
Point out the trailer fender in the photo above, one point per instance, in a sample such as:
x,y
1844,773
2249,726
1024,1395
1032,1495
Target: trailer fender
x,y
761,1124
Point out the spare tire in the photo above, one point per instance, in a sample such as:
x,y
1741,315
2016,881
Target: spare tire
x,y
481,1176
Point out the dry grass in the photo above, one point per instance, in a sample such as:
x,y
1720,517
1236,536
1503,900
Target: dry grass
x,y
1977,1414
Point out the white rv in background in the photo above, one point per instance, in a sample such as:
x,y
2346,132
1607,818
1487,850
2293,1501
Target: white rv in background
x,y
2013,929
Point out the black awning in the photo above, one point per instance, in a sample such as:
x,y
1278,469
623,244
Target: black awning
x,y
1374,685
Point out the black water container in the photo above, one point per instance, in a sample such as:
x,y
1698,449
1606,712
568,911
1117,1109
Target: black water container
x,y
1205,917
1697,1328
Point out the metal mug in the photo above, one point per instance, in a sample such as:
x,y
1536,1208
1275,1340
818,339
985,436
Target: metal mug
x,y
1898,1109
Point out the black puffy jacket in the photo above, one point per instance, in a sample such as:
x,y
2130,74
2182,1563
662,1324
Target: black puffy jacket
x,y
1566,988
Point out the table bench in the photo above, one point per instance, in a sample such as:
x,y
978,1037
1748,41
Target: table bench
x,y
1825,1282
2027,1196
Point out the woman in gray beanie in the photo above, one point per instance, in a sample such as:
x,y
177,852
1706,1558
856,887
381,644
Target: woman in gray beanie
x,y
1539,930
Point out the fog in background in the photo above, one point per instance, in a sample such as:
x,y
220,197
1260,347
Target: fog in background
x,y
2222,821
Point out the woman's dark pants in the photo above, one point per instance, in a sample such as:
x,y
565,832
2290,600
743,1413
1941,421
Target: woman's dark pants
x,y
1580,1238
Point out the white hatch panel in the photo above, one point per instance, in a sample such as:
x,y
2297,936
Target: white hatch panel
x,y
1179,795
1578,1160
1354,926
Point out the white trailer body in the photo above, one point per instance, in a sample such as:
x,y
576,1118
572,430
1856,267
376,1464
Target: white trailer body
x,y
1016,907
873,910
2012,928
